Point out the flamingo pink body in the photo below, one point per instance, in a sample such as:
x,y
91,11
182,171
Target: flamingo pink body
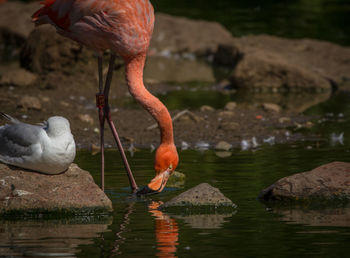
x,y
125,27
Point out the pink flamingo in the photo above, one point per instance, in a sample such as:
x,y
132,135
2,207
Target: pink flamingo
x,y
125,27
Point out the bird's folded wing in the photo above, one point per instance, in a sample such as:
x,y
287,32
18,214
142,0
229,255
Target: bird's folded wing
x,y
9,118
16,139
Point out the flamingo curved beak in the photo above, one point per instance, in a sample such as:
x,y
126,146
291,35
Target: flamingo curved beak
x,y
157,184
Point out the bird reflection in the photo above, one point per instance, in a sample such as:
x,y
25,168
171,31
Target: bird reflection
x,y
167,231
120,239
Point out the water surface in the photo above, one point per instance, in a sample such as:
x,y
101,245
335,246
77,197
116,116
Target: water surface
x,y
137,229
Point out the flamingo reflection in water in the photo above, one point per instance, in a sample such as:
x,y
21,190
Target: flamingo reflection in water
x,y
167,231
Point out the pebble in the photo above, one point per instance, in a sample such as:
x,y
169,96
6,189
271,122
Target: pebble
x,y
309,124
270,140
255,142
230,106
86,118
229,126
30,102
206,108
95,149
45,99
222,145
202,145
65,104
284,119
184,145
271,107
226,113
337,138
245,145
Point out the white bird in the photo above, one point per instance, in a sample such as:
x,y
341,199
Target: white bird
x,y
48,147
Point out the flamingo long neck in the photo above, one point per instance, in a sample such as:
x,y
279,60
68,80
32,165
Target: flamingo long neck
x,y
134,77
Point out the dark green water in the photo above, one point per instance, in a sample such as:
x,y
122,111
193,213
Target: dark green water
x,y
320,19
252,230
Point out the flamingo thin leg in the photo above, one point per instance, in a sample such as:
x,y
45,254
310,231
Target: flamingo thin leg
x,y
107,115
101,116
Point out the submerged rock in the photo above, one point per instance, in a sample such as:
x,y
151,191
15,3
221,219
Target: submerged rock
x,y
327,182
72,192
200,195
177,179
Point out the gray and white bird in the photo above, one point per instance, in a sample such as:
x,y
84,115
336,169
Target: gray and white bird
x,y
48,147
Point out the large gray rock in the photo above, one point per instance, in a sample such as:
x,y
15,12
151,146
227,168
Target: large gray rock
x,y
327,182
15,18
272,71
72,192
46,50
15,26
200,195
181,35
320,58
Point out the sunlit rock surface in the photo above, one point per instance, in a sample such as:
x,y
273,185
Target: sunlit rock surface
x,y
327,182
72,192
200,195
270,70
182,35
320,59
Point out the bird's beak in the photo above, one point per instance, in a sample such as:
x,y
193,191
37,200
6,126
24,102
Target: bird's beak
x,y
157,184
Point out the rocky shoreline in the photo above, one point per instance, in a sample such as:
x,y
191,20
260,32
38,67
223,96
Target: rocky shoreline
x,y
46,75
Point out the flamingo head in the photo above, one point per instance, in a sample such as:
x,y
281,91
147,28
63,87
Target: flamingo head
x,y
166,161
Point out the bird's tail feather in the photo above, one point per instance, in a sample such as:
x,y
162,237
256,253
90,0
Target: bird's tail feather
x,y
9,118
